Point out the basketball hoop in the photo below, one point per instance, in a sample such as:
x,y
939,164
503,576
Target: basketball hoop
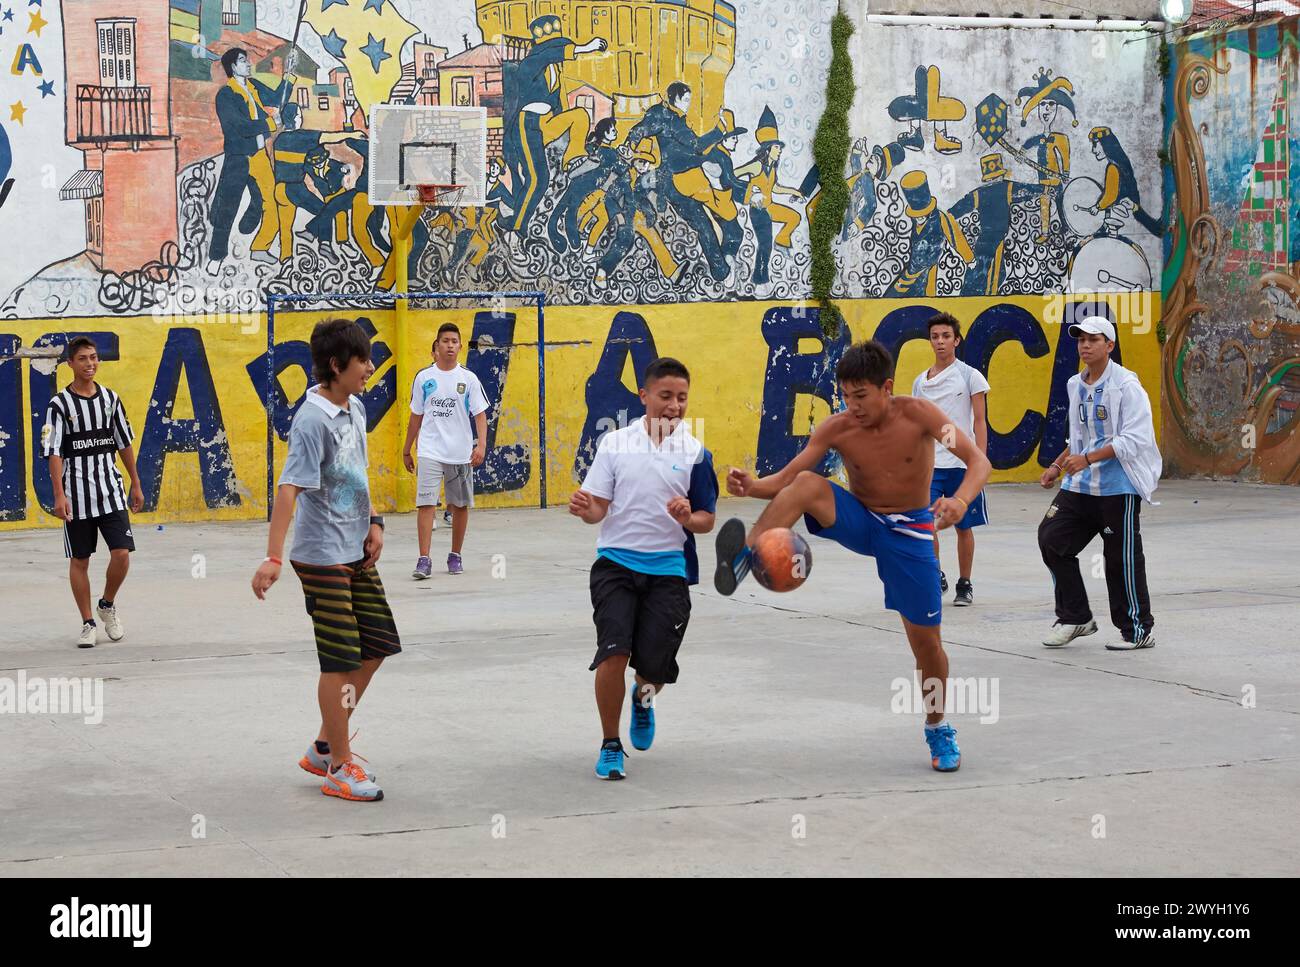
x,y
447,196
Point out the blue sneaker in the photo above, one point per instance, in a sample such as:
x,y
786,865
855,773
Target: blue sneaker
x,y
944,754
642,728
610,764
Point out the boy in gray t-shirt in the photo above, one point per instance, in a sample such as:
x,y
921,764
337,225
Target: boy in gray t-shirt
x,y
337,540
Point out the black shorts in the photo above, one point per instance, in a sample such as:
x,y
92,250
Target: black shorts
x,y
640,615
81,537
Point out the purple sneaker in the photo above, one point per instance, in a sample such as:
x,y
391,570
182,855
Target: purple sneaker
x,y
423,569
453,564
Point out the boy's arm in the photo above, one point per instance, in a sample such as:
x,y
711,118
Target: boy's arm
x,y
741,484
412,432
590,502
979,407
480,445
137,493
588,507
374,545
286,495
62,509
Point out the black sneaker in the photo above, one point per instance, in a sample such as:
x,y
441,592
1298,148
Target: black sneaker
x,y
965,593
943,582
732,555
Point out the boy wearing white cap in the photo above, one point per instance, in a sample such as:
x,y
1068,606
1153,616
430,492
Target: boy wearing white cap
x,y
1110,464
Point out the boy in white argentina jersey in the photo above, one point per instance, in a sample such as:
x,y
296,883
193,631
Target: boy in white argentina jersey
x,y
961,391
85,429
1111,464
449,416
652,488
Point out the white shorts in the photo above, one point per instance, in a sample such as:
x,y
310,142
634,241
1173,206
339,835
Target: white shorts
x,y
433,475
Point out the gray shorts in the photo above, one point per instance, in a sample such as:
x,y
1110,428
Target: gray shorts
x,y
456,478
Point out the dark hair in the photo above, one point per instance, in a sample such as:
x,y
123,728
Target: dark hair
x,y
598,134
944,319
336,341
661,367
865,362
446,327
76,344
229,57
675,91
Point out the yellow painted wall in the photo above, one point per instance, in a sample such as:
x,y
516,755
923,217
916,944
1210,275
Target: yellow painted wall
x,y
721,344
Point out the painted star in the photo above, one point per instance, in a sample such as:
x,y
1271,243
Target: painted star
x,y
326,4
37,23
16,111
374,49
9,15
47,89
334,43
376,5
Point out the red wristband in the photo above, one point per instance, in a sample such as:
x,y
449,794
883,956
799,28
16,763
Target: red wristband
x,y
274,560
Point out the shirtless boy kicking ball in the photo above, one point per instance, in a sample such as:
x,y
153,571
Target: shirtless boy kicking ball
x,y
887,445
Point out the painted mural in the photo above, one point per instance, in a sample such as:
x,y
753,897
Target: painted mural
x,y
167,165
1231,367
1021,163
641,151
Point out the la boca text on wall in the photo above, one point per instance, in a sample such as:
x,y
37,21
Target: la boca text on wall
x,y
762,374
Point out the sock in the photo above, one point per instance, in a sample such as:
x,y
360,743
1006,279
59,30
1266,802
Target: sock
x,y
322,748
88,621
615,741
937,725
105,604
742,562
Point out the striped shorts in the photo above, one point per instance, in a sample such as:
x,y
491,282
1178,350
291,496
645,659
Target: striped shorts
x,y
349,614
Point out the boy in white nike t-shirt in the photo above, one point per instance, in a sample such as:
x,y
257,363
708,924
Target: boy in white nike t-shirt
x,y
961,391
445,398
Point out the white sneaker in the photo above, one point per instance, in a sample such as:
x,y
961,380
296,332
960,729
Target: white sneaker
x,y
1064,634
87,639
1146,641
112,623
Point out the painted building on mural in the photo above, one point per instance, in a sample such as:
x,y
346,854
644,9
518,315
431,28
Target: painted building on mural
x,y
653,178
119,116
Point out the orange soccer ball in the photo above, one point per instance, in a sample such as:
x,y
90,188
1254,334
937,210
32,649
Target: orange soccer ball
x,y
782,560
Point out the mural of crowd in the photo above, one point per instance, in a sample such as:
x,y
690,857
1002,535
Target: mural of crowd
x,y
663,203
1062,230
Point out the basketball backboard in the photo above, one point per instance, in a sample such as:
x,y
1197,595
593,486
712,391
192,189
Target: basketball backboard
x,y
413,145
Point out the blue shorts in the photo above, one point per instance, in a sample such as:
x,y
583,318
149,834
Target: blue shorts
x,y
945,483
903,546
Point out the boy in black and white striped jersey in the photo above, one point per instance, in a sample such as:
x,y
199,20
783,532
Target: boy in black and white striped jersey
x,y
85,428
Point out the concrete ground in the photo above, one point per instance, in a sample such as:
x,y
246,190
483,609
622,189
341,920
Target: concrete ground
x,y
777,753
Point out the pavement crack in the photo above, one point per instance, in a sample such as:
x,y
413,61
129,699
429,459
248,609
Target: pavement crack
x,y
855,796
1194,689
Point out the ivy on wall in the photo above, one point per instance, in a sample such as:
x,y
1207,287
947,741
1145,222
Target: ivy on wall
x,y
831,152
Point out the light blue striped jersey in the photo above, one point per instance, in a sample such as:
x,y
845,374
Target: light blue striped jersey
x,y
1092,426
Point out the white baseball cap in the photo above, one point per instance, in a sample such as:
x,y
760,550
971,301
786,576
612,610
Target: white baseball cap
x,y
1095,325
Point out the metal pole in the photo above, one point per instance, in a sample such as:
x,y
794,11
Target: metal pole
x,y
541,395
270,404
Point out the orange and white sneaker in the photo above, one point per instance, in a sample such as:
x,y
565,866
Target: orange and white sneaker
x,y
350,781
316,763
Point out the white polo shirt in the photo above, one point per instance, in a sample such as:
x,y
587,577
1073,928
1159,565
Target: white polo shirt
x,y
951,391
448,399
639,479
